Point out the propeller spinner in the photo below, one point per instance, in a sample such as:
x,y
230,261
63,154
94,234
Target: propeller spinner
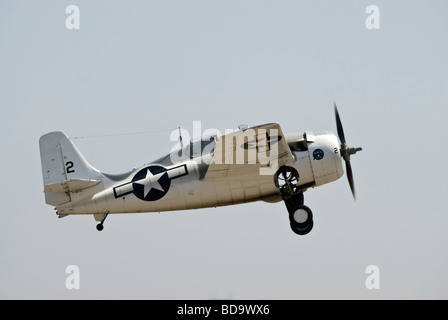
x,y
346,151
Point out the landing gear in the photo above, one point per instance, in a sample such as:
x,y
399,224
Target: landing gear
x,y
301,220
300,216
100,226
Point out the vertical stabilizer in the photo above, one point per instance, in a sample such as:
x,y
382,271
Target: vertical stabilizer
x,y
64,169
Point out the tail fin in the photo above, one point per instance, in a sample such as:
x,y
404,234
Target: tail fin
x,y
64,169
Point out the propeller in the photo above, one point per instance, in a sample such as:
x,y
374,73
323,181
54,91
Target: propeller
x,y
346,151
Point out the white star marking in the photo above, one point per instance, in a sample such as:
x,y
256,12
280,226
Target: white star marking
x,y
150,182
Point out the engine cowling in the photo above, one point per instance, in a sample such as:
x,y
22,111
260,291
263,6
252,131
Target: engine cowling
x,y
318,158
325,157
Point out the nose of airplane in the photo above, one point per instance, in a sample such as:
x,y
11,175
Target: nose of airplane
x,y
325,157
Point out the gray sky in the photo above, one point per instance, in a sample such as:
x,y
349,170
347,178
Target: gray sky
x,y
157,65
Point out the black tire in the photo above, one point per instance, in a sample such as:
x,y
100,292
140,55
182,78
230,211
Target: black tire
x,y
99,227
303,231
301,224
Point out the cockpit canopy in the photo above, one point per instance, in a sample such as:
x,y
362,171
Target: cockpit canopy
x,y
200,147
196,148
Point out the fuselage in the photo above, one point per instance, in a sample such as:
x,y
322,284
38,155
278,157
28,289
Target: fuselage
x,y
167,185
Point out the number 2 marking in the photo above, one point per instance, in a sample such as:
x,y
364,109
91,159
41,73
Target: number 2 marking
x,y
69,166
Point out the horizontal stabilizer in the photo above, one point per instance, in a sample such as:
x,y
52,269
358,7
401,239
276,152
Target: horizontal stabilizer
x,y
74,185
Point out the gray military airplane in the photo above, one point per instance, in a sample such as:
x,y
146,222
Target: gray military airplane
x,y
251,164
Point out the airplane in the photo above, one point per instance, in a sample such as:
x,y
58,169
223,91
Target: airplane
x,y
247,165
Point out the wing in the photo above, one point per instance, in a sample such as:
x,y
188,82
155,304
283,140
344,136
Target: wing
x,y
256,150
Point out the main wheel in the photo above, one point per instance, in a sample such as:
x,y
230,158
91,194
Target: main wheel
x,y
301,217
302,231
99,227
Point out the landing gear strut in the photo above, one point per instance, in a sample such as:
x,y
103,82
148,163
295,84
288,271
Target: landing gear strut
x,y
300,216
100,226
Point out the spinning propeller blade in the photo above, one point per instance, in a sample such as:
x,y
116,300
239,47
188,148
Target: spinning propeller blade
x,y
346,151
